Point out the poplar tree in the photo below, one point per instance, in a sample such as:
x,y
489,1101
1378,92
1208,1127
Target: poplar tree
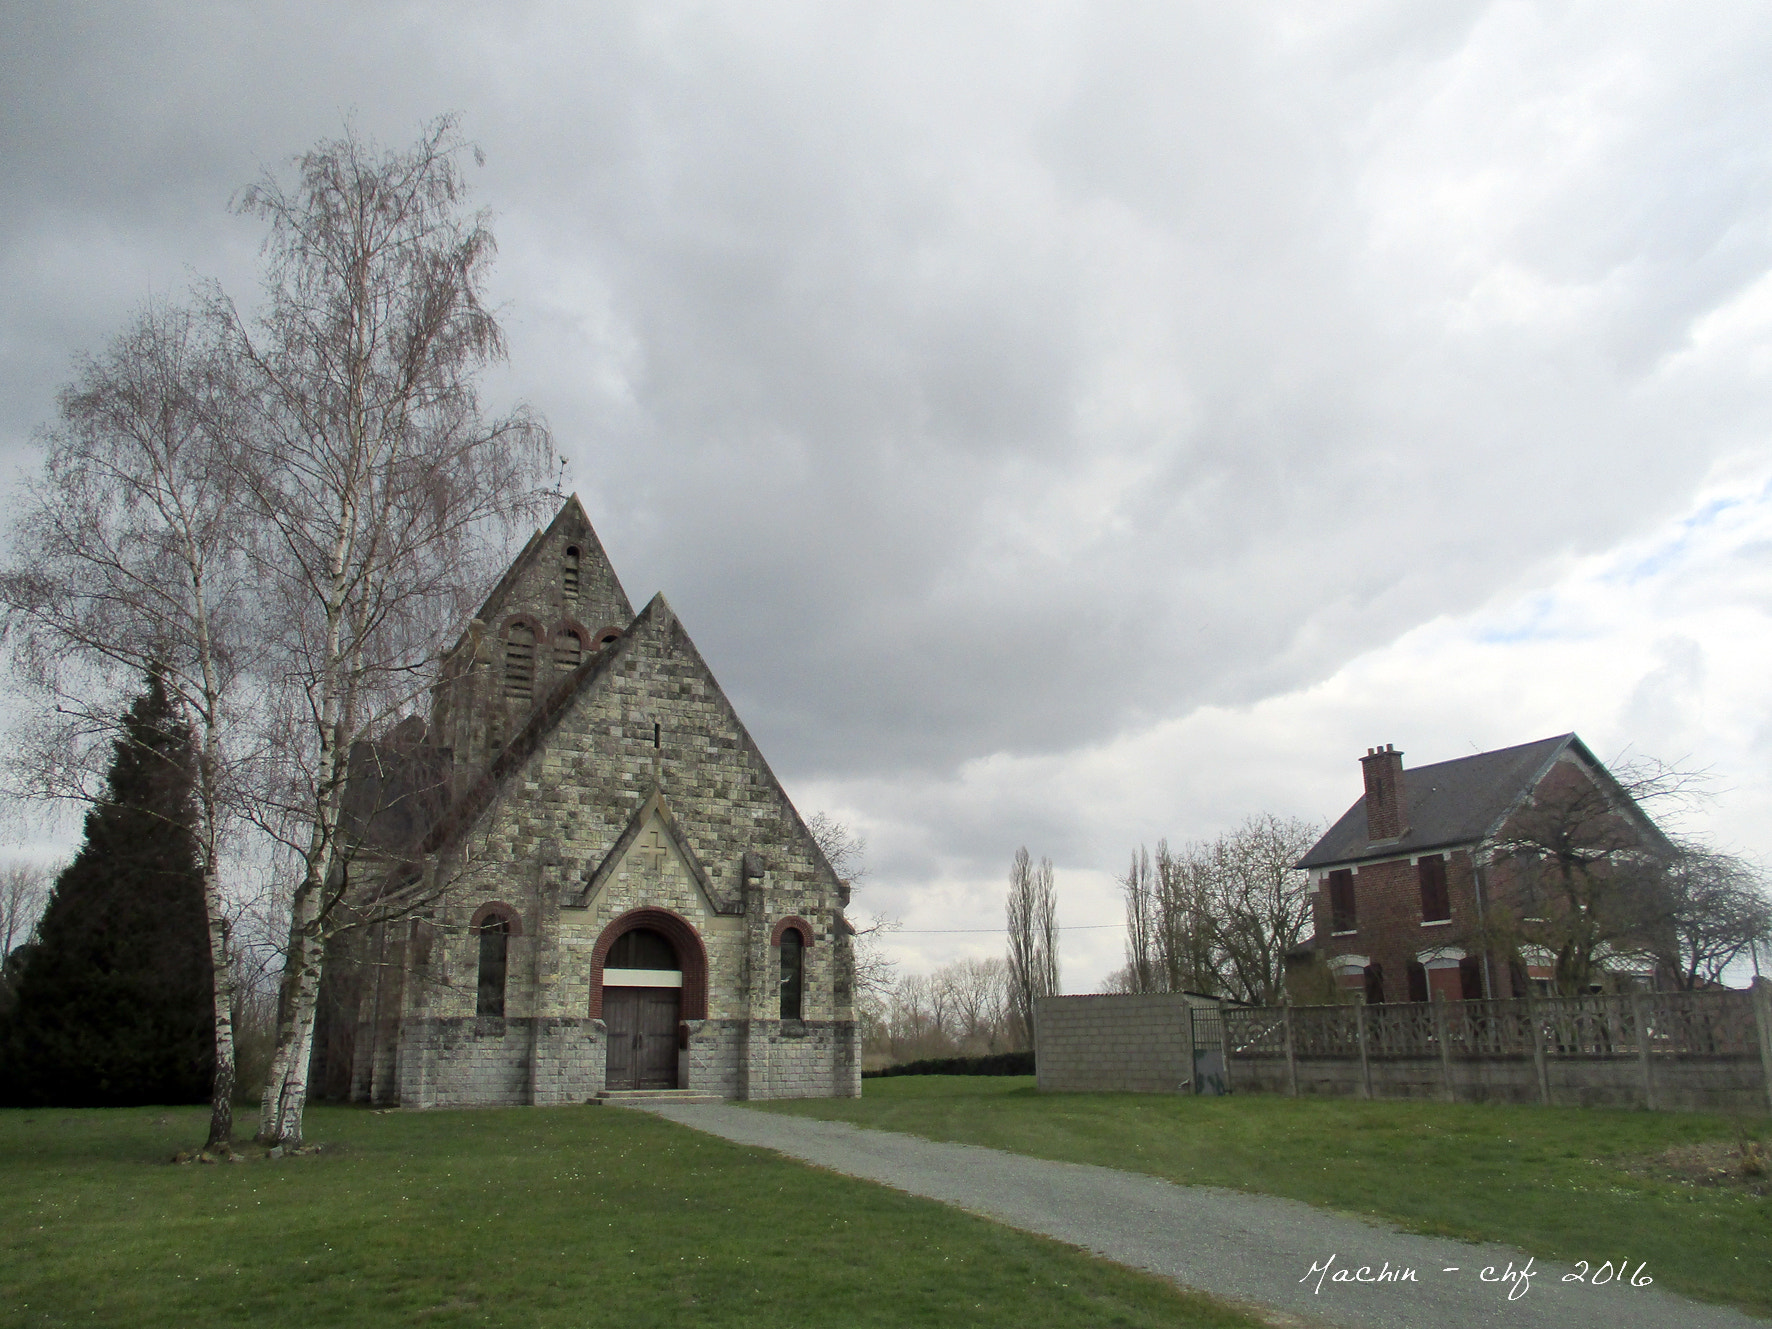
x,y
1033,939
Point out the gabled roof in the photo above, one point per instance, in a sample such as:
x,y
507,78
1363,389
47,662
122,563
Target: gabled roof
x,y
1449,803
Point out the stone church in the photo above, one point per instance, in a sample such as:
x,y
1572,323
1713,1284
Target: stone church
x,y
609,889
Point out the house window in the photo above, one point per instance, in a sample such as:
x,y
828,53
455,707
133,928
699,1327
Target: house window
x,y
520,662
569,573
1374,985
495,943
1341,900
1470,979
793,973
1436,900
1529,885
568,649
1417,975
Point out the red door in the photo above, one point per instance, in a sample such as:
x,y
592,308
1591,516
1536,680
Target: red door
x,y
642,1037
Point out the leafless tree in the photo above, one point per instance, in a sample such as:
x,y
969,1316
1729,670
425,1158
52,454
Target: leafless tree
x,y
381,491
127,557
1170,939
1260,904
1144,965
1581,871
978,992
1719,911
1033,939
24,890
845,850
1219,916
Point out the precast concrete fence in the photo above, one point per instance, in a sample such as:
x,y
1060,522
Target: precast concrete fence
x,y
1708,1050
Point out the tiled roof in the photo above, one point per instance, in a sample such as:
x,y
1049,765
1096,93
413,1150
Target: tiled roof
x,y
1448,803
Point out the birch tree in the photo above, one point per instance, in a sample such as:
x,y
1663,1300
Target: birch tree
x,y
126,560
381,490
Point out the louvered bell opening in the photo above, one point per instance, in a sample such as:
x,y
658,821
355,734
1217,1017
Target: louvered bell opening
x,y
569,651
520,663
569,573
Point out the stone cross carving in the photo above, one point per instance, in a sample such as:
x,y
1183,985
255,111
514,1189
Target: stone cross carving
x,y
653,851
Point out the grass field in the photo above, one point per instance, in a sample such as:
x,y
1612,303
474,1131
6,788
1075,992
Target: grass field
x,y
536,1217
1563,1183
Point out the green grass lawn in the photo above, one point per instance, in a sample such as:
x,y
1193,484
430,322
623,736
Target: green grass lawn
x,y
536,1217
1549,1180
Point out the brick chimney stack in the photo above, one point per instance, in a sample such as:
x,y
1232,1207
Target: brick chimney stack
x,y
1386,812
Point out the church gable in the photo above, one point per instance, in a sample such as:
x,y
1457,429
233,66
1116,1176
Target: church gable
x,y
562,574
649,722
557,606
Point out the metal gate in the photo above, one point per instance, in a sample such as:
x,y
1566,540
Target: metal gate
x,y
1209,1068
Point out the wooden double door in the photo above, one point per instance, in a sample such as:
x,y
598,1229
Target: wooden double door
x,y
642,1037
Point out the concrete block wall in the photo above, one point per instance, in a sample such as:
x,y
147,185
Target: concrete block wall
x,y
1133,1044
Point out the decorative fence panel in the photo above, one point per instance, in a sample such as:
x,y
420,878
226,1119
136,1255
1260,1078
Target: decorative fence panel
x,y
1699,1050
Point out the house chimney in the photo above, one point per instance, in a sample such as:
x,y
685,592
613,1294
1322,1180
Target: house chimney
x,y
1386,812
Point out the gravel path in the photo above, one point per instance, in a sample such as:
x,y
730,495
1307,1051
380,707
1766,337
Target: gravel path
x,y
1253,1248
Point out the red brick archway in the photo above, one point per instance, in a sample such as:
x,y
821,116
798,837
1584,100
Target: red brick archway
x,y
799,925
497,909
691,954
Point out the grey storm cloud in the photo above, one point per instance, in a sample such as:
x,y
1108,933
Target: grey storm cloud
x,y
998,379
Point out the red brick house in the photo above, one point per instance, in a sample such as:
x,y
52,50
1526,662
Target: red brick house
x,y
1407,880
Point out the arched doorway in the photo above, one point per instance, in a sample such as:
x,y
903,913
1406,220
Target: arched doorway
x,y
648,974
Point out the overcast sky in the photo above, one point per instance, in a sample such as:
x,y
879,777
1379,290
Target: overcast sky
x,y
1061,425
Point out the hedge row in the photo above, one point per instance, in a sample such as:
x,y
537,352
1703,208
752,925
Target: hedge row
x,y
1004,1063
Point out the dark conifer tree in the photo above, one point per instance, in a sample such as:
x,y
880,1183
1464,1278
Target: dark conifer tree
x,y
113,1003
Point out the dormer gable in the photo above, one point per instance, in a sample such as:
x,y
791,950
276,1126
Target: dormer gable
x,y
651,849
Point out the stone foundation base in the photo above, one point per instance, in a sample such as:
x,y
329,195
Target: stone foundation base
x,y
492,1062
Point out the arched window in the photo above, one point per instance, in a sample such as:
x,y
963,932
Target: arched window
x,y
520,661
568,649
495,944
793,973
569,574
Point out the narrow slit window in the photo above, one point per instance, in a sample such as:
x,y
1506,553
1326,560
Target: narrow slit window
x,y
520,662
793,973
1341,900
569,573
495,942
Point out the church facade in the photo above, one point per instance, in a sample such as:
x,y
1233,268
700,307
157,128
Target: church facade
x,y
608,887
